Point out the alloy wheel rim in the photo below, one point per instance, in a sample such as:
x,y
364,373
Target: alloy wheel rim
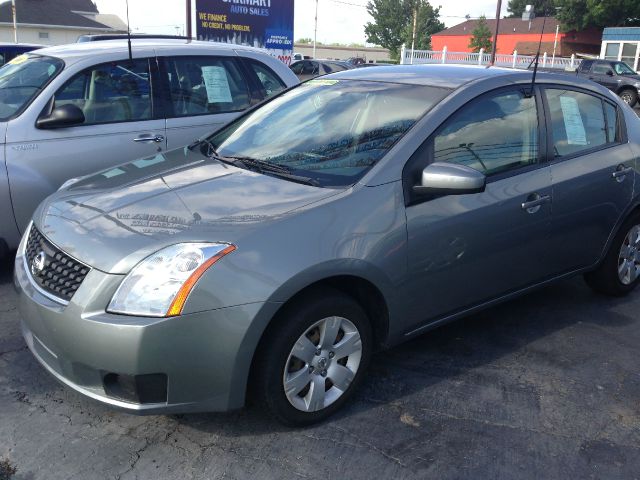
x,y
626,97
629,257
322,364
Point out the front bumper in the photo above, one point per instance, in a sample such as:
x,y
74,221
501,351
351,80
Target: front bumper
x,y
204,357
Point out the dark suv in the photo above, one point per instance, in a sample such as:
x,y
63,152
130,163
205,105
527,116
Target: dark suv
x,y
616,76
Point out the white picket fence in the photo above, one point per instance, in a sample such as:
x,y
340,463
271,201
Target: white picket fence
x,y
418,57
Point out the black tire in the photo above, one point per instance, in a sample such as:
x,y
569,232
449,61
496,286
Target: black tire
x,y
629,96
273,354
605,278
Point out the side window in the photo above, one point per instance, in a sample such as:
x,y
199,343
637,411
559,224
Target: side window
x,y
111,92
310,68
268,79
206,85
585,66
492,134
611,114
297,67
601,68
577,121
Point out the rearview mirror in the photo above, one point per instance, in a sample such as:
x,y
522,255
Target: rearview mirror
x,y
441,178
63,116
610,72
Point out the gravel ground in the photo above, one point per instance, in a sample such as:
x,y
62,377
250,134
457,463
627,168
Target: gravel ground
x,y
546,386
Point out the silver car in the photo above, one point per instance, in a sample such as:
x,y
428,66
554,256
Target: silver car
x,y
341,217
72,110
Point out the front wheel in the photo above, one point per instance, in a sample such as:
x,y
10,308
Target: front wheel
x,y
629,96
619,272
313,358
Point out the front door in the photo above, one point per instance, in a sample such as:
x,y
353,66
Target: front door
x,y
592,175
119,126
468,249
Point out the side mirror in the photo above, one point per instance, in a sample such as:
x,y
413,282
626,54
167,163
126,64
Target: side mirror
x,y
63,116
442,178
610,72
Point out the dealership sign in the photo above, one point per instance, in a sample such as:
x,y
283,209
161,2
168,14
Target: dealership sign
x,y
264,24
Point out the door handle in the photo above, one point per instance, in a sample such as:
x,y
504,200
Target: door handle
x,y
535,202
621,172
150,138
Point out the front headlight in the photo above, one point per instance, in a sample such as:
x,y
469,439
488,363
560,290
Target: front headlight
x,y
160,284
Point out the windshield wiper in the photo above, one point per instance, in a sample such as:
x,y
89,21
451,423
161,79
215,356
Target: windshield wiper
x,y
268,168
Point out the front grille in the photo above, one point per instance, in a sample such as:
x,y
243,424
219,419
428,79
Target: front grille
x,y
51,269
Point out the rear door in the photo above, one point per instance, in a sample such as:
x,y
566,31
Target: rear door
x,y
121,124
592,171
204,93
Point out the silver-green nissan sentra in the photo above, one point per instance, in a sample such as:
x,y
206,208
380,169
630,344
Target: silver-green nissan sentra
x,y
271,258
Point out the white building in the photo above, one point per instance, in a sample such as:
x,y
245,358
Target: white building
x,y
54,22
622,43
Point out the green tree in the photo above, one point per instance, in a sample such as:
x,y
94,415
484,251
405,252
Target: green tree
x,y
581,14
481,36
541,7
393,23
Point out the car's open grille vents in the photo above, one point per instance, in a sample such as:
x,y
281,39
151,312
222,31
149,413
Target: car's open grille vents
x,y
51,269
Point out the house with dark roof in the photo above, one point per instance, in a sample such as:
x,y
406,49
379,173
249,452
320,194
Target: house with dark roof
x,y
54,22
522,36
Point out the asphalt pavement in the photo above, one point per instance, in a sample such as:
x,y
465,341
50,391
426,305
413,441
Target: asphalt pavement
x,y
546,386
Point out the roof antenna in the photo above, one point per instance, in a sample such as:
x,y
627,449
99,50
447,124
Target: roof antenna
x,y
129,33
527,16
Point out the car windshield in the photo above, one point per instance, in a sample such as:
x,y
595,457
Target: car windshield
x,y
622,68
22,79
329,131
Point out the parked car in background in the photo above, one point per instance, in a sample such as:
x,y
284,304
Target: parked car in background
x,y
9,51
355,61
616,76
306,69
346,215
71,110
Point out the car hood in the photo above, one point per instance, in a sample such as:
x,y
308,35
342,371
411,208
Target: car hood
x,y
114,219
3,132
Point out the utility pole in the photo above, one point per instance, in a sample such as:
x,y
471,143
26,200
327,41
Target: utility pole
x,y
315,31
495,36
555,44
188,23
15,24
413,38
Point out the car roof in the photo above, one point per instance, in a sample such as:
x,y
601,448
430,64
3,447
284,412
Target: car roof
x,y
449,76
91,49
455,76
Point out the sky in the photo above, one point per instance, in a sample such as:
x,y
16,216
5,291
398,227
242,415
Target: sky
x,y
339,21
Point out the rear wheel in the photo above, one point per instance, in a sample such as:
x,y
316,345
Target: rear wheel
x,y
619,272
313,358
629,96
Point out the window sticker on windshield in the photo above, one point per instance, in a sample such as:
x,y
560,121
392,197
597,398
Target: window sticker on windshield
x,y
217,84
321,82
113,173
19,59
576,134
